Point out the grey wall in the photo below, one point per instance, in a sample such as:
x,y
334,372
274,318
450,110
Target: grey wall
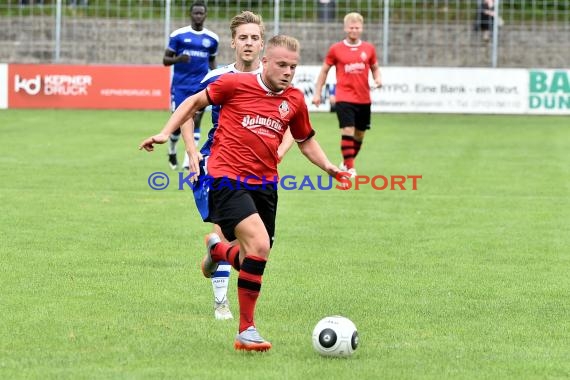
x,y
113,41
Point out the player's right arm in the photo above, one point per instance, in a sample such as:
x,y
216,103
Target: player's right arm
x,y
321,79
285,145
170,58
183,113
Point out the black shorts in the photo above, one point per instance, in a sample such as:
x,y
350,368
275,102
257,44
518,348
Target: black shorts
x,y
353,115
229,205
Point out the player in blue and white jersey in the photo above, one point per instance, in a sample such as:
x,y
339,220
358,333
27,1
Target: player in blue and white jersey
x,y
192,50
247,39
247,31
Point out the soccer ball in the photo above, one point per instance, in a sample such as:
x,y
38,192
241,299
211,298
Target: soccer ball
x,y
335,336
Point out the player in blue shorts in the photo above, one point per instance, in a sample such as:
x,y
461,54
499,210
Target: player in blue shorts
x,y
192,50
247,32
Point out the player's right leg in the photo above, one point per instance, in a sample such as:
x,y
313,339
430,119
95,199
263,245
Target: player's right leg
x,y
197,125
209,264
346,120
220,283
248,337
172,142
175,100
219,273
362,124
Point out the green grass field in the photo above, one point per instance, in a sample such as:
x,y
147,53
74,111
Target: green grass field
x,y
465,278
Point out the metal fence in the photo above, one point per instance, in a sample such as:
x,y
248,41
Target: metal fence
x,y
531,33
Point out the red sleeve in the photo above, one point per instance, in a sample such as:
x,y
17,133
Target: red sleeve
x,y
330,59
373,59
300,124
222,89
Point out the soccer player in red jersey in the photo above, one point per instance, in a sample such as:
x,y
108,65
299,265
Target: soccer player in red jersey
x,y
353,59
247,30
256,111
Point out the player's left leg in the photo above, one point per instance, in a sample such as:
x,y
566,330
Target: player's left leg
x,y
220,282
358,139
256,240
255,247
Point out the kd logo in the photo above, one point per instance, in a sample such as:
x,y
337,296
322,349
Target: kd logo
x,y
31,86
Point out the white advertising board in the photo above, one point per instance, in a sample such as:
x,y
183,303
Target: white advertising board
x,y
451,90
457,90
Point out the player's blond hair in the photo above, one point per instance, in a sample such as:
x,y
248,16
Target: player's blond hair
x,y
246,17
353,17
281,40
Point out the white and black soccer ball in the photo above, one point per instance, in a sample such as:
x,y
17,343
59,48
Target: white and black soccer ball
x,y
335,336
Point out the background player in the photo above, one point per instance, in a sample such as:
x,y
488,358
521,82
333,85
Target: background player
x,y
353,59
192,50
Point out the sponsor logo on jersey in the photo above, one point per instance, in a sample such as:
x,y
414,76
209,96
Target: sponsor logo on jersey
x,y
195,53
284,109
354,67
256,121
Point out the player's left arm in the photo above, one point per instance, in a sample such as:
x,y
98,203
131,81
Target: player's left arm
x,y
313,151
212,62
213,49
376,75
170,58
303,132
